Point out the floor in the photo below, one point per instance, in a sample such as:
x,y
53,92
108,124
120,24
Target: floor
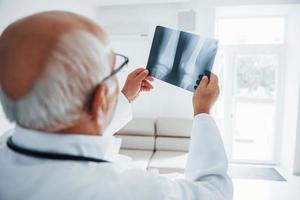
x,y
245,189
258,189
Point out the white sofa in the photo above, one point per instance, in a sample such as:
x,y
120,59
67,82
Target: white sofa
x,y
163,143
157,143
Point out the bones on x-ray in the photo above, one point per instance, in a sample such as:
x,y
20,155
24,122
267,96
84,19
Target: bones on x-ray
x,y
181,58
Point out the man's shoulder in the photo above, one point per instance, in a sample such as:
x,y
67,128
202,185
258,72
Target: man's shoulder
x,y
108,181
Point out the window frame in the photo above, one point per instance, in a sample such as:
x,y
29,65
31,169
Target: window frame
x,y
230,51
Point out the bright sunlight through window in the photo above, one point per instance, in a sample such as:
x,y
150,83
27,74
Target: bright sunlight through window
x,y
252,51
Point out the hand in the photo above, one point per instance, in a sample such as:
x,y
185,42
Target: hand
x,y
137,81
206,94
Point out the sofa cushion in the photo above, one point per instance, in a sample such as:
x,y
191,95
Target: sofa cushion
x,y
172,144
177,127
139,126
168,161
137,142
140,158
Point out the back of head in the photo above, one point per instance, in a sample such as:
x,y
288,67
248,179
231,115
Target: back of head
x,y
49,63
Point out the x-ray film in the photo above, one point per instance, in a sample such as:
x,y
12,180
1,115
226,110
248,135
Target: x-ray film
x,y
181,58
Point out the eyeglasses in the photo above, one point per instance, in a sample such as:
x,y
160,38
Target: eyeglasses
x,y
121,62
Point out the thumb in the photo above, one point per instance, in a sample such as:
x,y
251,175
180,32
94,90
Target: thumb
x,y
204,82
142,75
136,72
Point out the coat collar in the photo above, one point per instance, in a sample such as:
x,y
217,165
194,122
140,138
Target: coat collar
x,y
102,147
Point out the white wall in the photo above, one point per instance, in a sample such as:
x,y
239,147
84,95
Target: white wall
x,y
165,100
291,101
297,143
10,10
254,2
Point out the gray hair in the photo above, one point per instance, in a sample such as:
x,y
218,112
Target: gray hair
x,y
77,64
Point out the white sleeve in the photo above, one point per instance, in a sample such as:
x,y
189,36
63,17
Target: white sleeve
x,y
206,169
122,115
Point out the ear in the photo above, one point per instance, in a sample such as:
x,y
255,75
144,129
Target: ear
x,y
99,103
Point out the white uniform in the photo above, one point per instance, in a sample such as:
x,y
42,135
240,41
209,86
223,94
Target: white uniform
x,y
28,178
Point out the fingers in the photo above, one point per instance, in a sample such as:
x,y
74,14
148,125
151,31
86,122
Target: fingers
x,y
145,89
149,78
141,75
213,78
147,84
138,74
135,72
214,81
203,83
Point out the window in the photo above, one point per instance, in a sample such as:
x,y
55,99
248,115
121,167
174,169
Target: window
x,y
252,50
255,76
251,30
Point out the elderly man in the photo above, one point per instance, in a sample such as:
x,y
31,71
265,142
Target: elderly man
x,y
58,84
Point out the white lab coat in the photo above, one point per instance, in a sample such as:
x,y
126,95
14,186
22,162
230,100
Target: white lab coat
x,y
27,178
